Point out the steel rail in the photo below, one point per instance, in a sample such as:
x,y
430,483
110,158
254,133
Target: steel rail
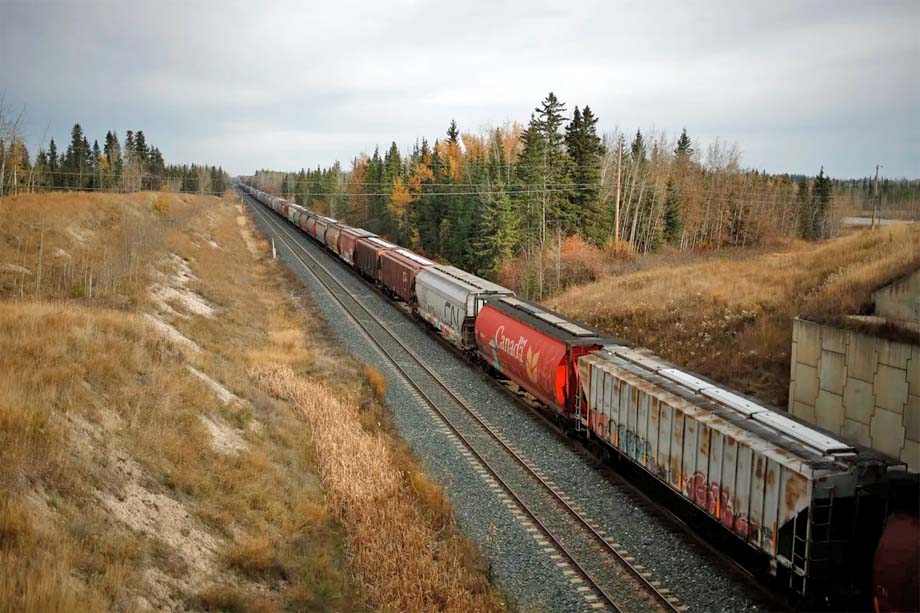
x,y
665,600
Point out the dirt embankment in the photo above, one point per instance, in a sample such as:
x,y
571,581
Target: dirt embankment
x,y
731,319
148,464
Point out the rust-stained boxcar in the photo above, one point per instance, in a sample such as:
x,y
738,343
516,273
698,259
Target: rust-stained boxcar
x,y
398,268
535,348
320,226
307,221
367,255
771,480
348,240
331,239
294,213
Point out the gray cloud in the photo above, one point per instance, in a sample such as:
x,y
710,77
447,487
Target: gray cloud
x,y
293,84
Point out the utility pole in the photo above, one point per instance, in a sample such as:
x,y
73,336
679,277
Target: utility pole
x,y
875,199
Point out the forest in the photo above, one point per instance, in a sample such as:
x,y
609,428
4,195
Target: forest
x,y
133,166
520,203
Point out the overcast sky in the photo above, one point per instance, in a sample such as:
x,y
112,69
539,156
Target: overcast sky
x,y
290,85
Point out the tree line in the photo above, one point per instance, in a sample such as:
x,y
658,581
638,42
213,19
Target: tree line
x,y
523,193
132,166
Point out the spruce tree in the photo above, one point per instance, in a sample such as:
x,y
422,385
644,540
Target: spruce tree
x,y
673,219
55,180
112,151
684,148
431,205
529,177
496,222
586,151
453,133
95,161
74,167
41,169
376,202
545,169
822,206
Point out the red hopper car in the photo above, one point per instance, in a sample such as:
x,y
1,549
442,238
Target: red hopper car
x,y
398,268
348,239
535,348
367,255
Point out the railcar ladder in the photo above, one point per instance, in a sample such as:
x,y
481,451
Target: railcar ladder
x,y
581,424
811,554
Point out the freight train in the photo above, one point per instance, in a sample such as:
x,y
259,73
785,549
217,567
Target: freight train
x,y
812,505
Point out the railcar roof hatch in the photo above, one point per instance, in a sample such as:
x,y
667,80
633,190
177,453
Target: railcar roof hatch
x,y
802,433
739,403
575,329
686,379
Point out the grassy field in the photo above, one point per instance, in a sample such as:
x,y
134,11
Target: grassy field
x,y
176,433
731,318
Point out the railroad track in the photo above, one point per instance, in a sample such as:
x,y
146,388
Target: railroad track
x,y
598,569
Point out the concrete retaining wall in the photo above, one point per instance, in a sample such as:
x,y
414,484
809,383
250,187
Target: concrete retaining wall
x,y
864,388
900,300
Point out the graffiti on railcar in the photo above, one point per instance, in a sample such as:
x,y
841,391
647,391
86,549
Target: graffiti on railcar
x,y
743,525
716,500
636,447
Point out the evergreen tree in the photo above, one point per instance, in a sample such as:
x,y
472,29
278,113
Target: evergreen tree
x,y
376,207
586,152
53,165
684,148
645,231
430,210
140,144
822,206
453,133
529,175
112,151
555,164
96,168
673,218
496,222
75,159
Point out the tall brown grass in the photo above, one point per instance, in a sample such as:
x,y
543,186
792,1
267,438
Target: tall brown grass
x,y
95,406
403,562
731,319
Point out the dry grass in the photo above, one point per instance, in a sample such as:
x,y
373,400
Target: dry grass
x,y
731,319
114,494
404,561
376,381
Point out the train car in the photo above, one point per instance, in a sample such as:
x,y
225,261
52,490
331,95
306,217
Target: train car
x,y
348,241
398,268
307,221
320,226
294,213
367,255
331,239
771,480
535,348
450,299
896,568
